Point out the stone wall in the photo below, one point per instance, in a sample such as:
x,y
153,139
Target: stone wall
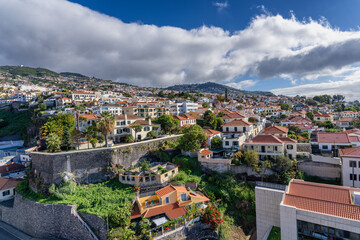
x,y
303,147
322,170
88,166
242,169
50,221
216,166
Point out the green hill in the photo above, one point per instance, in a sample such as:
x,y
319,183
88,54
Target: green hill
x,y
28,71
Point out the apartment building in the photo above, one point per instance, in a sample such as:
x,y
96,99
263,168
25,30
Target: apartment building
x,y
306,210
82,96
350,166
184,107
112,108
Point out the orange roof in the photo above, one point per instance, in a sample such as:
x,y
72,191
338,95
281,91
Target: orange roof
x,y
171,210
141,122
90,116
350,152
165,191
233,115
205,152
6,183
322,198
276,129
237,123
180,188
120,117
210,132
263,138
183,117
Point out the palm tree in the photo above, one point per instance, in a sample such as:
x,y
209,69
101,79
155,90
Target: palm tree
x,y
88,134
77,110
107,124
137,129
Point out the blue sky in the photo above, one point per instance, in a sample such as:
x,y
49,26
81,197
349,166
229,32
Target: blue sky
x,y
290,47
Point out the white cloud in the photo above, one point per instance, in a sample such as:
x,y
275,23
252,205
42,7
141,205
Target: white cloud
x,y
221,5
242,84
65,36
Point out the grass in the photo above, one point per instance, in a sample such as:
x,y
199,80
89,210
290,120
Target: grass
x,y
275,234
15,123
98,199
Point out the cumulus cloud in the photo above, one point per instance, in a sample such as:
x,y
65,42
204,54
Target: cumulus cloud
x,y
242,84
65,36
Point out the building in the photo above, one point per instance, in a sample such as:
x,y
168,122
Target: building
x,y
305,210
82,96
86,120
233,116
157,174
184,107
345,122
210,134
169,203
185,120
327,141
237,126
295,120
112,108
272,146
7,188
350,167
322,117
276,131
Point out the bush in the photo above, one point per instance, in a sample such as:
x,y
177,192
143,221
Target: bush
x,y
212,217
129,139
120,217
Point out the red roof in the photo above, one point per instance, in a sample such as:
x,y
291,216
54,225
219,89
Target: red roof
x,y
237,123
205,152
350,152
11,167
90,116
183,117
338,137
345,119
322,198
165,191
7,183
276,130
263,138
171,210
233,115
210,132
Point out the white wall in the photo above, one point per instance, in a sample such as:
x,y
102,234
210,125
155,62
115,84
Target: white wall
x,y
4,198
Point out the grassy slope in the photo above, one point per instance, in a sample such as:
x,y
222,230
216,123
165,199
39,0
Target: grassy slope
x,y
17,123
98,199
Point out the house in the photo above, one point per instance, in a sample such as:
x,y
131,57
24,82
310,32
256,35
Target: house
x,y
304,127
293,120
210,134
276,131
237,126
185,120
147,126
11,168
208,160
327,141
122,127
233,116
306,210
157,174
344,122
272,146
86,120
169,202
7,188
300,113
350,167
322,117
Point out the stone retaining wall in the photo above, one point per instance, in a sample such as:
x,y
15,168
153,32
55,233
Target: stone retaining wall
x,y
319,169
89,166
50,221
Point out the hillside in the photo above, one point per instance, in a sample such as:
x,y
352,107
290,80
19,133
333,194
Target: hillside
x,y
211,87
28,71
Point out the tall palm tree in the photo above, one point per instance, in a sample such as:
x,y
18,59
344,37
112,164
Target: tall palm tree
x,y
107,124
77,110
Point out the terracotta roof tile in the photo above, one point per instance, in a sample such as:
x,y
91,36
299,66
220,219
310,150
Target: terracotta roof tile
x,y
338,137
237,123
350,152
164,191
276,130
210,132
6,183
205,152
171,210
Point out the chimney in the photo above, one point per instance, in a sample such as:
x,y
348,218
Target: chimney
x,y
125,119
149,121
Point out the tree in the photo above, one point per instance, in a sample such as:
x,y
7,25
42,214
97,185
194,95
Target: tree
x,y
338,98
253,120
88,134
251,157
168,123
77,110
295,129
67,141
51,126
129,139
65,120
161,94
284,106
93,142
119,217
192,139
145,165
210,119
212,217
137,128
283,163
283,116
53,142
310,115
236,158
226,95
205,105
306,134
261,168
216,142
311,102
219,123
151,135
107,124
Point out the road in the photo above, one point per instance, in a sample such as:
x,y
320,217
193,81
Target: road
x,y
4,235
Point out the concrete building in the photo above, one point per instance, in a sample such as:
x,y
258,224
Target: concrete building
x,y
7,188
305,210
350,167
184,107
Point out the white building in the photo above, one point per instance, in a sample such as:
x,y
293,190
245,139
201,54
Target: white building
x,y
350,167
114,109
305,210
184,107
7,188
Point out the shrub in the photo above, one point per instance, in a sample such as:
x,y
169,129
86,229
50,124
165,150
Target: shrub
x,y
212,217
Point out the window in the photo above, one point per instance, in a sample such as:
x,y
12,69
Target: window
x,y
289,147
235,129
325,147
227,143
5,193
167,200
353,177
123,178
227,129
183,197
166,174
352,164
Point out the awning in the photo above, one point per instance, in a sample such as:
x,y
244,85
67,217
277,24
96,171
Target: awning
x,y
160,221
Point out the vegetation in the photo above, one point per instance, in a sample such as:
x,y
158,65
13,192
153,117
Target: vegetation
x,y
275,234
14,123
216,142
168,123
106,124
212,217
99,199
53,142
192,139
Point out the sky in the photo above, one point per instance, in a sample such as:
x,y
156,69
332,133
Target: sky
x,y
288,47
